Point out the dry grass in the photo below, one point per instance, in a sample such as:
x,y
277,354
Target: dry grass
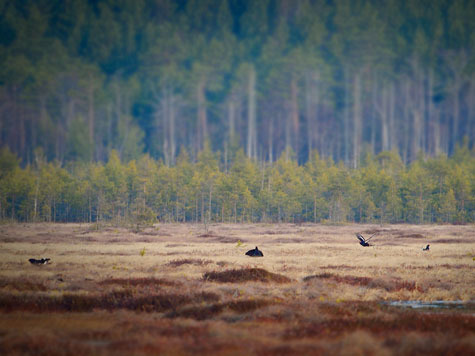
x,y
316,291
189,261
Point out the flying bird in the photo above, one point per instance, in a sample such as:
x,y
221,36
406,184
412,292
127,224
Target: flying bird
x,y
255,253
42,261
363,241
426,248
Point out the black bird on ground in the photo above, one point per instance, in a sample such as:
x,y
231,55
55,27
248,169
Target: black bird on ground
x,y
426,248
363,241
42,261
255,253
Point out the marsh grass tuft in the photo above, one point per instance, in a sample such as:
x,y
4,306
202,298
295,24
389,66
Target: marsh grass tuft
x,y
245,275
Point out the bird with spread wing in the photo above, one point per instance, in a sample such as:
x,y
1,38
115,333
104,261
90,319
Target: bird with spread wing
x,y
363,241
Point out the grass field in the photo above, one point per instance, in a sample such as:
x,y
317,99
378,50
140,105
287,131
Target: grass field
x,y
175,290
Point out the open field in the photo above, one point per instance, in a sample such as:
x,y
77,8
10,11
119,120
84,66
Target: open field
x,y
174,289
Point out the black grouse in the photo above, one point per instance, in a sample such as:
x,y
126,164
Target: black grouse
x,y
255,253
42,261
363,241
426,248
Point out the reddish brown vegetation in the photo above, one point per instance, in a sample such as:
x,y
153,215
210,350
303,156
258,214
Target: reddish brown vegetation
x,y
207,234
389,285
245,275
339,267
410,236
345,319
355,281
212,237
452,241
207,312
134,282
126,299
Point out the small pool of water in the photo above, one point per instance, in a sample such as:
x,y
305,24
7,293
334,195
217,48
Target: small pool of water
x,y
436,304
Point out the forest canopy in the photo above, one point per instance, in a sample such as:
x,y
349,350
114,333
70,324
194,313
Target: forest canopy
x,y
146,191
80,79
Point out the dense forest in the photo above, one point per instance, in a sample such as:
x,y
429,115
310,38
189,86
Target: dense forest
x,y
80,79
143,191
137,111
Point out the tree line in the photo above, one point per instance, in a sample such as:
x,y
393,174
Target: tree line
x,y
82,78
240,189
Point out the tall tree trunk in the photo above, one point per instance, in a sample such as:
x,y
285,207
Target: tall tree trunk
x,y
124,122
407,102
90,114
210,203
231,119
391,116
455,114
346,118
315,209
165,108
415,100
22,133
311,103
436,134
118,112
432,119
357,119
251,115
384,120
231,111
271,140
374,111
171,126
294,116
203,217
418,111
202,115
457,62
35,205
288,137
43,118
416,132
20,127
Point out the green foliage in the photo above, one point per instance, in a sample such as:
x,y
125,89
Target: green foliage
x,y
140,193
8,161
